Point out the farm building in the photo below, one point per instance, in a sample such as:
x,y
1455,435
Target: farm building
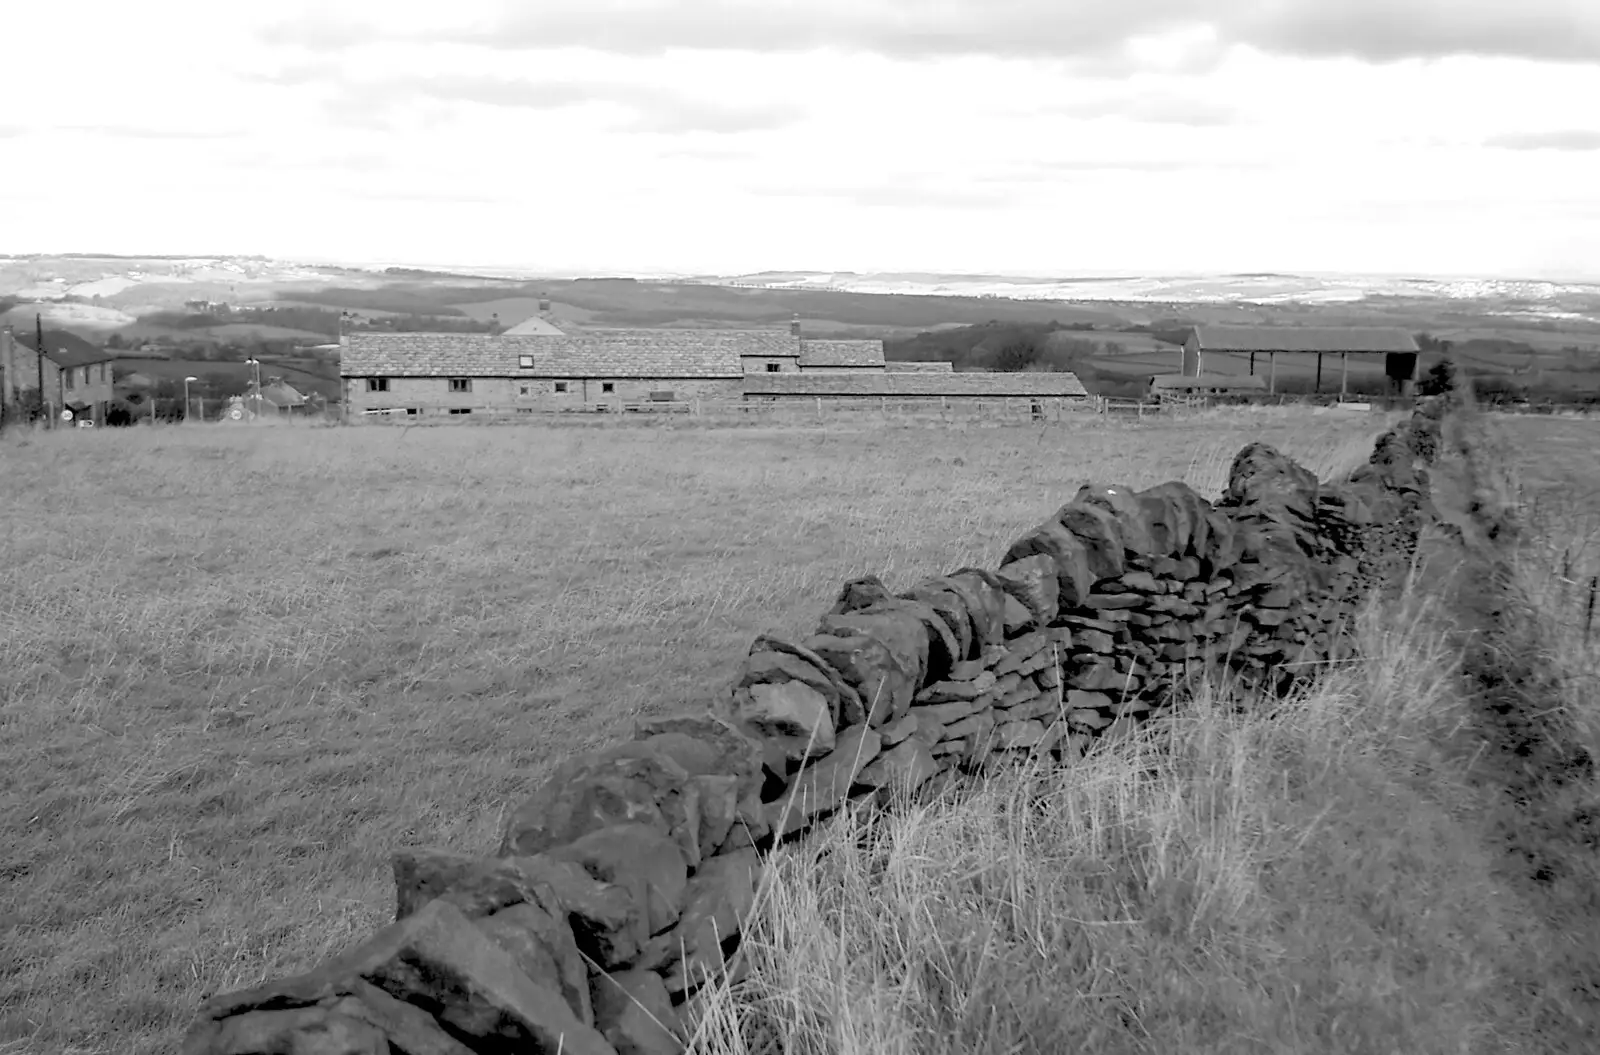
x,y
1266,343
77,375
841,357
455,373
1164,385
913,385
906,366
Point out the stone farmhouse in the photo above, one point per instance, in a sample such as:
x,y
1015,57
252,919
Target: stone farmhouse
x,y
77,375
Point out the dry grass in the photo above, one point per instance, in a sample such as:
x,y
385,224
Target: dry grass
x,y
1310,882
243,666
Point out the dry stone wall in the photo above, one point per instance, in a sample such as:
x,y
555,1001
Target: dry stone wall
x,y
621,885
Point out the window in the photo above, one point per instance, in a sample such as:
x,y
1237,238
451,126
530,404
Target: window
x,y
772,368
561,386
461,410
461,384
66,379
377,384
607,386
525,389
86,375
411,412
525,362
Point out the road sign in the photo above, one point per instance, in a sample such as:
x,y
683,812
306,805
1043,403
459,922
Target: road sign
x,y
66,415
236,414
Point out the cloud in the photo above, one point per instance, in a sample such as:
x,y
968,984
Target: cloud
x,y
1153,109
1571,139
1376,30
654,110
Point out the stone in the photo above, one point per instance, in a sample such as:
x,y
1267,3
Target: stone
x,y
298,1031
721,897
635,1013
1115,601
947,691
629,783
1016,697
883,681
1096,641
1096,677
437,959
771,641
1141,582
1088,719
822,786
543,948
1039,707
650,866
977,726
1035,584
1122,503
1166,526
761,668
905,767
1080,700
969,670
1101,535
718,748
719,806
1049,677
898,730
792,715
952,610
863,592
607,922
985,598
1011,735
942,714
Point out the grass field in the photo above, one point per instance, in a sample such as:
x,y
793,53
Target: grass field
x,y
244,666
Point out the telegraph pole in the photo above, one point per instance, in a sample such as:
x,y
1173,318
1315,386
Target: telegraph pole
x,y
38,348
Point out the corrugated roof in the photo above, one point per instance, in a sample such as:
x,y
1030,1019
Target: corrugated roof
x,y
865,384
1305,339
597,353
840,353
906,366
535,324
1172,382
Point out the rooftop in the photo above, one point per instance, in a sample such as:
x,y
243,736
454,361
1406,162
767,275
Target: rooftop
x,y
595,353
908,366
535,325
932,383
66,349
1305,339
814,353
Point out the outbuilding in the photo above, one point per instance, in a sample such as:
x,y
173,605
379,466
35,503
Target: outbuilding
x,y
1225,343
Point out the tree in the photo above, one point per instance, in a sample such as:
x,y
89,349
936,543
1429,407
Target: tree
x,y
1440,378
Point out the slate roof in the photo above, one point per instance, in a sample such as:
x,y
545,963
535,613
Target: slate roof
x,y
1305,339
535,324
66,349
706,354
963,385
1178,382
815,353
907,366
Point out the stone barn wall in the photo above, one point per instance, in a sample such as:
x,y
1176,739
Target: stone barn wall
x,y
620,887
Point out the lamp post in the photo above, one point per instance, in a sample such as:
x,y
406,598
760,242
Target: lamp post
x,y
255,405
186,404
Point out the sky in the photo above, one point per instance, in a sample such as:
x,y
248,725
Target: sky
x,y
1014,137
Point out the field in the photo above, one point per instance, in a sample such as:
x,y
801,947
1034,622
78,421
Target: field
x,y
244,666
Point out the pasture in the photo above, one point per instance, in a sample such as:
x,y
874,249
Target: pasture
x,y
243,666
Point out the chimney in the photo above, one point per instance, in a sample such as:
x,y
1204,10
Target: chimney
x,y
544,305
794,326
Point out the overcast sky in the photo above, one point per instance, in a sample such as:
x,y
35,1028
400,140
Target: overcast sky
x,y
1050,137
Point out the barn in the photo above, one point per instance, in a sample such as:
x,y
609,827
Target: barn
x,y
913,385
1224,345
